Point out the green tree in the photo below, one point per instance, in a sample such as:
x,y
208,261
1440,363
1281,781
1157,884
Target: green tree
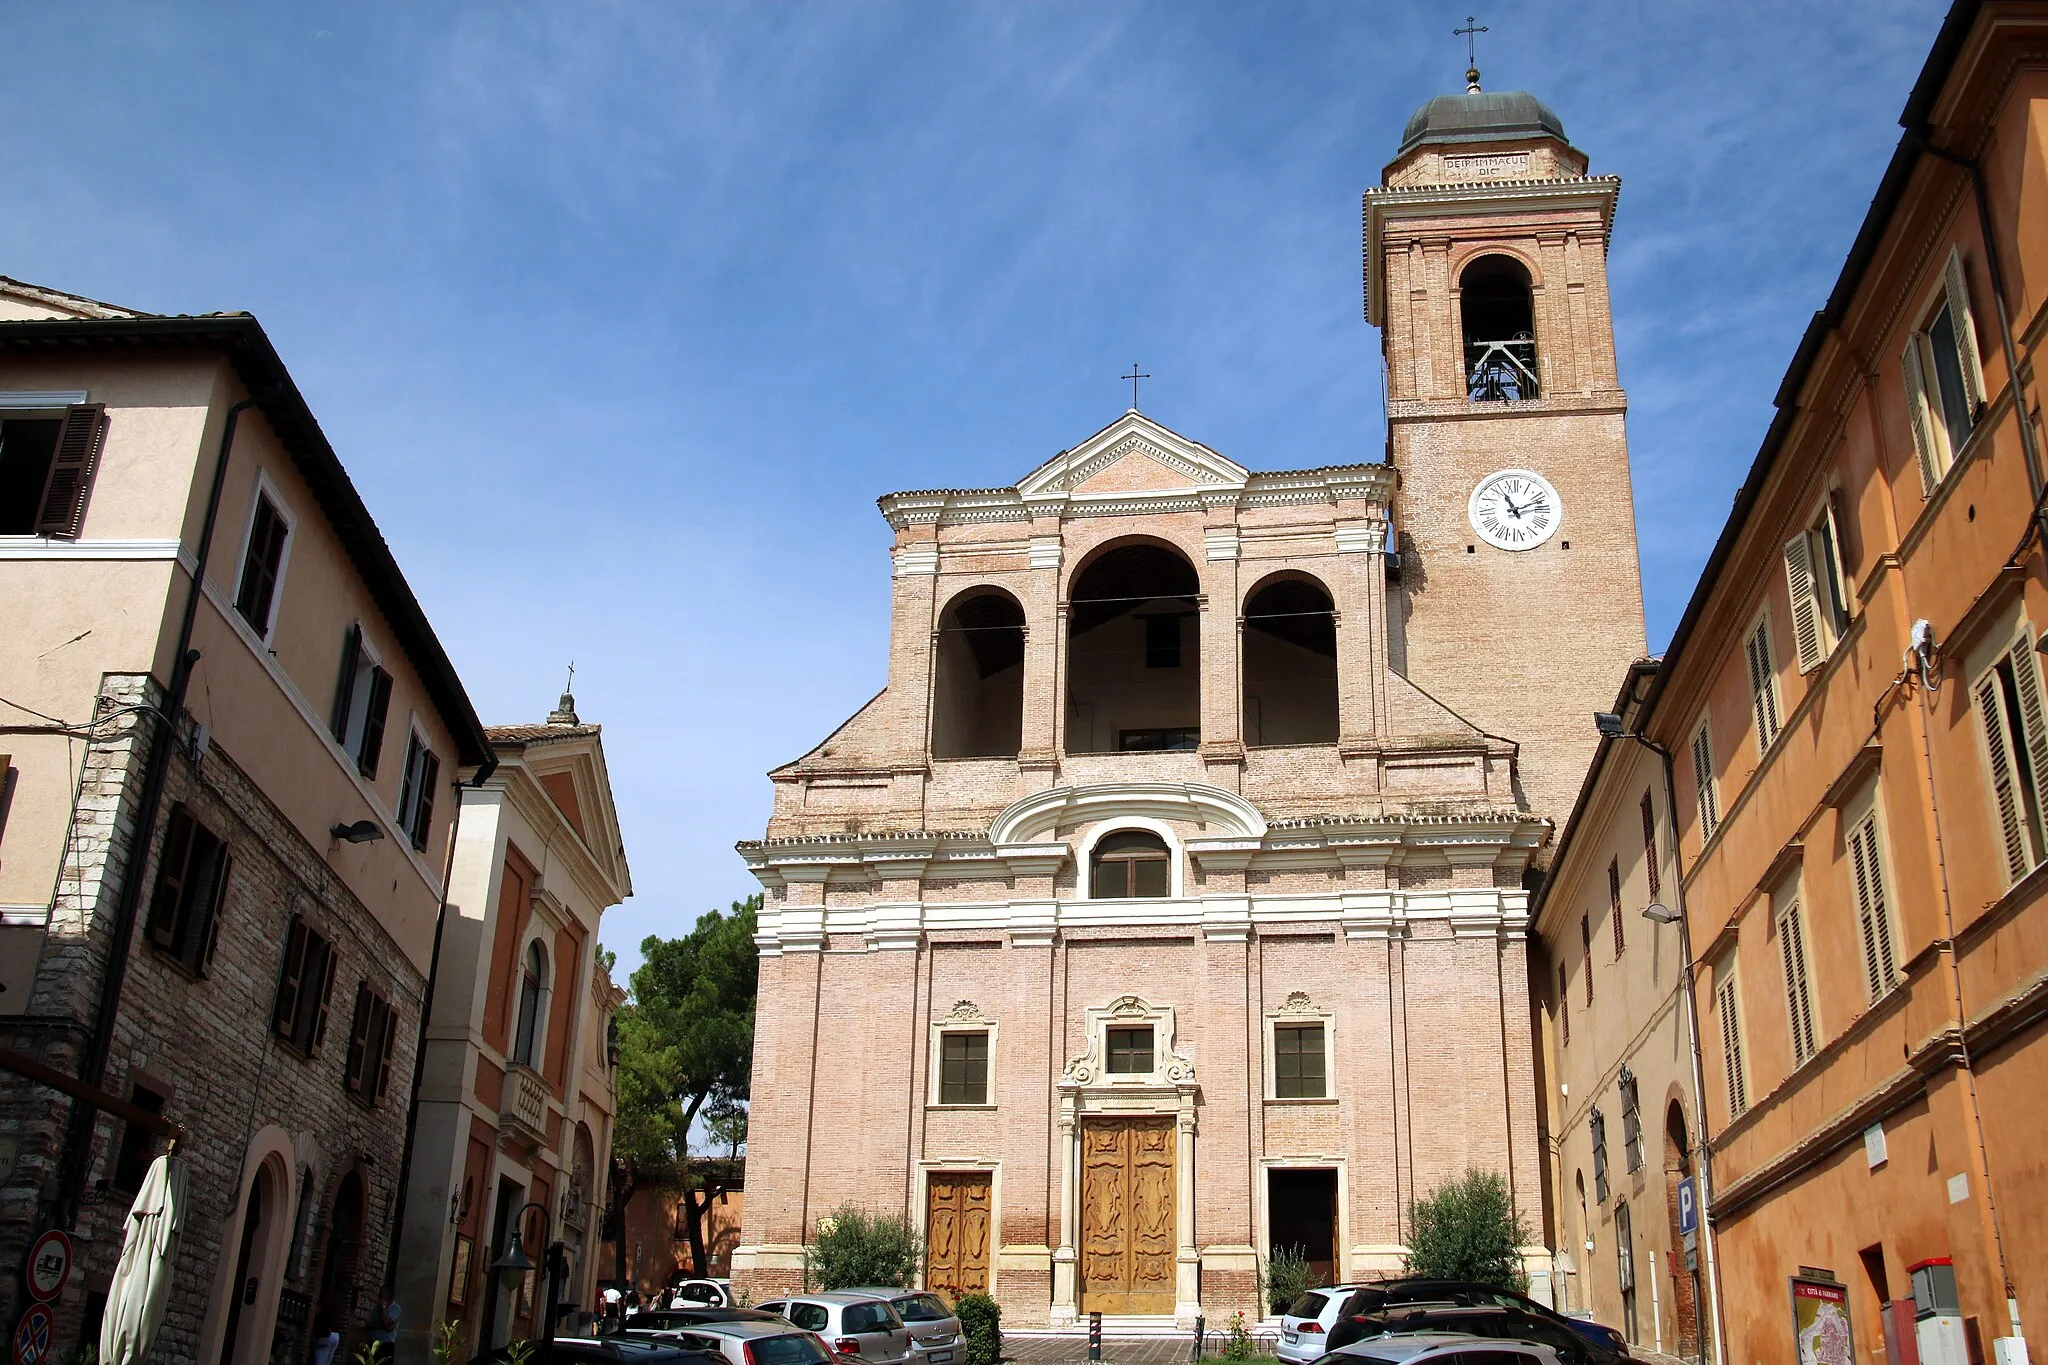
x,y
686,1051
1468,1229
854,1247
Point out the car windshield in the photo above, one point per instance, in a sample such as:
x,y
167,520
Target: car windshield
x,y
1309,1305
871,1317
791,1348
921,1308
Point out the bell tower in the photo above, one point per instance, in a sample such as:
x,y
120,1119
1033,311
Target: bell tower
x,y
1520,602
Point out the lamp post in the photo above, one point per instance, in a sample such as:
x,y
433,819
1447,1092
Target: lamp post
x,y
514,1262
1611,726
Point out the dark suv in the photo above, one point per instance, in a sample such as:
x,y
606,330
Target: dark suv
x,y
1369,1309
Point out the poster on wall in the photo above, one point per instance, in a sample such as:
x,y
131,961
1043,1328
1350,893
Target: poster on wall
x,y
1820,1322
458,1283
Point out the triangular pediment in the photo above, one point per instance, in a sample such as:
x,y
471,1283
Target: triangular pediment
x,y
1133,454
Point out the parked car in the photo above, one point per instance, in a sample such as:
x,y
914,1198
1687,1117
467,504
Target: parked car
x,y
1451,1348
1305,1326
934,1328
612,1350
1369,1300
853,1325
748,1341
684,1292
1492,1321
663,1319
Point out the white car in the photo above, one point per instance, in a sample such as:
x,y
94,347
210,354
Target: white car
x,y
1305,1326
700,1294
1442,1348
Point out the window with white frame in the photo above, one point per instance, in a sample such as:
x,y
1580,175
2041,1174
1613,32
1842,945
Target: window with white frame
x,y
1704,785
1873,904
1798,982
362,699
530,1035
963,1066
1298,1046
1727,1005
264,552
49,448
2014,723
1816,583
416,796
1763,682
1944,375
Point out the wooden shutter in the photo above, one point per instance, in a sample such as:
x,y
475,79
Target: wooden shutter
x,y
170,880
286,1012
423,817
358,1040
1564,1004
408,781
1798,998
1957,287
1614,901
389,1046
2004,787
1731,1046
318,1036
1586,942
206,934
345,687
79,442
1872,914
1650,843
1921,420
1763,684
373,723
1703,781
2033,726
1799,579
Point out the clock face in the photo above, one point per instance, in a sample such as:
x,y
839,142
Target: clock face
x,y
1515,509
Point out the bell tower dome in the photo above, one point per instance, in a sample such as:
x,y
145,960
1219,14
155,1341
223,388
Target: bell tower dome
x,y
1520,601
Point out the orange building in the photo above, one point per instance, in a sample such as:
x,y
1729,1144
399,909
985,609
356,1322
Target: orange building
x,y
658,1241
1854,708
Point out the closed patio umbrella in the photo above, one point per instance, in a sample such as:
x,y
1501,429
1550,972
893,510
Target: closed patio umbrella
x,y
142,1282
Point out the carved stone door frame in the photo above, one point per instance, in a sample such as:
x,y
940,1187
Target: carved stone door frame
x,y
1087,1090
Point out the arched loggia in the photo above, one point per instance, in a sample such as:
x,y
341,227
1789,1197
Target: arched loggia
x,y
1290,663
978,690
1497,309
1134,668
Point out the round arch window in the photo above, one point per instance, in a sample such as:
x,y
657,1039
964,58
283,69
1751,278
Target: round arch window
x,y
1130,864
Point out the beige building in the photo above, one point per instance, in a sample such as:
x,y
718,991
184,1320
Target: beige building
x,y
1168,903
231,741
1853,702
516,1093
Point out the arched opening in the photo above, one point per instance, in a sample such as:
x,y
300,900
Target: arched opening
x,y
1131,864
1678,1166
978,695
1290,664
241,1338
336,1305
1497,308
533,983
1134,668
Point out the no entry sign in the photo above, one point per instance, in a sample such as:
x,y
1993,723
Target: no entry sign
x,y
49,1265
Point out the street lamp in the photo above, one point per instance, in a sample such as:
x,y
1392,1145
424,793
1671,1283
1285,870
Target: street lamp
x,y
514,1262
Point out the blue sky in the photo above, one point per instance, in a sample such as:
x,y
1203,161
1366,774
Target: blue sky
x,y
622,315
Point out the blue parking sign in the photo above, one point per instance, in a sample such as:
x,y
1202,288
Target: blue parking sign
x,y
1688,1209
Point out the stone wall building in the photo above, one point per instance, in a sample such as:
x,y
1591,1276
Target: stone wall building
x,y
231,740
1168,903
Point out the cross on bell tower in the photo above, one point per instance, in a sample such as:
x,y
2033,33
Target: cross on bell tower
x,y
1470,34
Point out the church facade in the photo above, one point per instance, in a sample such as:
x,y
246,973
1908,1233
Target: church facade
x,y
1168,905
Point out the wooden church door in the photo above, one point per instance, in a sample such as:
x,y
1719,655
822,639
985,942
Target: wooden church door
x,y
956,1228
1127,1196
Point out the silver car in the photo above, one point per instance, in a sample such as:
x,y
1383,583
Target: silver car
x,y
748,1341
934,1329
855,1326
1440,1348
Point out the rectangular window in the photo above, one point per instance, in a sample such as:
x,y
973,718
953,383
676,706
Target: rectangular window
x,y
1298,1062
138,1144
303,989
262,565
1650,844
416,796
47,460
1703,782
1725,1004
2015,727
1813,580
1130,1051
1763,684
1162,641
1564,1005
1873,913
362,699
1614,902
1147,741
1586,943
963,1067
372,1039
191,881
1798,989
1598,1128
1944,377
1631,1122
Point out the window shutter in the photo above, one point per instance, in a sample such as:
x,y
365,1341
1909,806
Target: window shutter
x,y
1564,1004
408,780
1763,684
423,818
1958,289
1838,518
286,1011
373,723
329,958
1650,843
1799,579
2033,726
2003,790
1586,942
1871,912
358,1040
390,1046
1703,782
345,688
170,880
1731,1048
1614,901
1916,411
1798,1000
71,469
207,934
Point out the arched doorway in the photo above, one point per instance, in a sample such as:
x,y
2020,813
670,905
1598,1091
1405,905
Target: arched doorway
x,y
252,1293
1290,663
978,693
1497,309
338,1288
1678,1166
1134,666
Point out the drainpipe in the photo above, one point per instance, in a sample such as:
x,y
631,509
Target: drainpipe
x,y
78,1136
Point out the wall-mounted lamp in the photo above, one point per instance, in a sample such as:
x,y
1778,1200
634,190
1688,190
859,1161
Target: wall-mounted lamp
x,y
1660,912
361,832
1608,724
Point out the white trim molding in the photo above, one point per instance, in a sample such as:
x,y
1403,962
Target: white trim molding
x,y
49,547
1084,856
39,400
964,1017
1298,1008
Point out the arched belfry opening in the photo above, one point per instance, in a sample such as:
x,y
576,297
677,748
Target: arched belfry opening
x,y
1496,307
1134,668
978,697
1290,663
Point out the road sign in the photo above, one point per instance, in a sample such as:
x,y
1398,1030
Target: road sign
x,y
49,1265
1688,1209
32,1335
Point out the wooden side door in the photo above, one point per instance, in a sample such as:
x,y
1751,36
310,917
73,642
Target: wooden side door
x,y
1127,1249
956,1232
